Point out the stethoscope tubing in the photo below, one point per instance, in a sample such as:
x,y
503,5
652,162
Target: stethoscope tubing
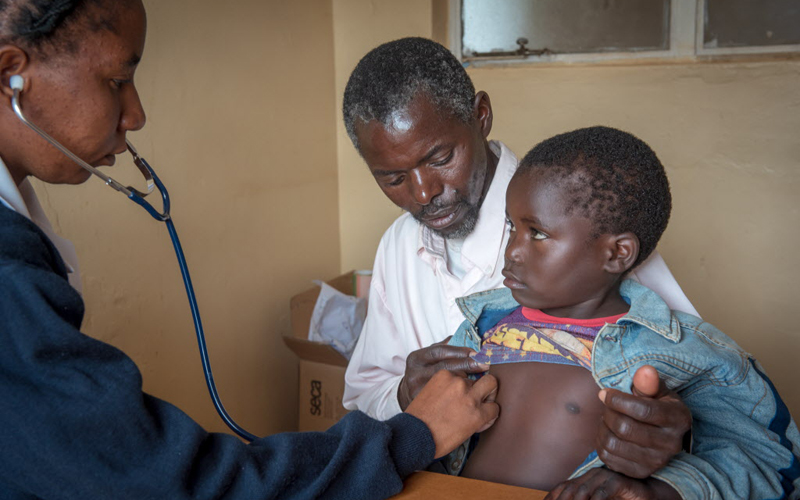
x,y
164,216
201,340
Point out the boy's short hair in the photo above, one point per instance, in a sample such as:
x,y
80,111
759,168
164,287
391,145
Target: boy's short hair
x,y
390,75
614,178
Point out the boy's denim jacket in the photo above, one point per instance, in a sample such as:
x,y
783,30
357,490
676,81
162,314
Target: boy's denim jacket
x,y
745,443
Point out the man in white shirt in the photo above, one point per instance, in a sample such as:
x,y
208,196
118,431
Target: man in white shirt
x,y
414,116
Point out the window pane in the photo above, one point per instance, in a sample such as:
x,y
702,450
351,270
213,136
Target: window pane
x,y
739,23
565,26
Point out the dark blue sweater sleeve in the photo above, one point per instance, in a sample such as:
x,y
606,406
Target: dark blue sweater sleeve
x,y
75,424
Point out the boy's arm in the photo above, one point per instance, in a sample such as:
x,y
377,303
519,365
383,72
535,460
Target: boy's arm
x,y
745,443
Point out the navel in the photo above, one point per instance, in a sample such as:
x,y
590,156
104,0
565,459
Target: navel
x,y
573,408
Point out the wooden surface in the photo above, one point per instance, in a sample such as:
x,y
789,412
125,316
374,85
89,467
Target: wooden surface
x,y
427,485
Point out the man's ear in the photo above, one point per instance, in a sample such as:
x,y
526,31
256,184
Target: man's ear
x,y
623,250
482,111
13,61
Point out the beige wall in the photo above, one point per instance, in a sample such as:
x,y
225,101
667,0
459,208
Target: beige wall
x,y
727,133
240,106
359,25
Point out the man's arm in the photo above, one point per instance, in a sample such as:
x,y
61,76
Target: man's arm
x,y
422,364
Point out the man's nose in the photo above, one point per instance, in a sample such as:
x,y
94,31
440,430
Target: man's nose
x,y
424,186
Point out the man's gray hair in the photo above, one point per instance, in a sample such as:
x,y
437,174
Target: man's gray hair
x,y
389,76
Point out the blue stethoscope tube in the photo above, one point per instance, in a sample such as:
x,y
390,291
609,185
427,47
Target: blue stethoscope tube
x,y
138,198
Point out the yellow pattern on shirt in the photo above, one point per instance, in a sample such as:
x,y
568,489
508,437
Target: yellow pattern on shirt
x,y
516,339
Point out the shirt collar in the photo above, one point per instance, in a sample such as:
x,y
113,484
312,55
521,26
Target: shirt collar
x,y
24,201
483,246
10,195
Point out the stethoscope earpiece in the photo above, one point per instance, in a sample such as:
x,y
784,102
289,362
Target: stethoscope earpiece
x,y
16,82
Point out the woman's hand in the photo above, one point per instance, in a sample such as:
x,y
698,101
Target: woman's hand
x,y
454,408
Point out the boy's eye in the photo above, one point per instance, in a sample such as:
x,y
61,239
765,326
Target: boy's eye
x,y
537,235
510,224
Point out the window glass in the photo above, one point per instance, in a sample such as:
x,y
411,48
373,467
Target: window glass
x,y
740,23
565,26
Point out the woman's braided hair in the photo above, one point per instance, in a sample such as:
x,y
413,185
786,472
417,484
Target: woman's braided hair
x,y
36,24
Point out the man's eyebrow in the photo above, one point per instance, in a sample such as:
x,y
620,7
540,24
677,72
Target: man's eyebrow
x,y
430,154
376,173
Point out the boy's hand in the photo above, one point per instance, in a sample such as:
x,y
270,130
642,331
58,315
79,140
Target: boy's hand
x,y
422,364
603,484
454,408
640,432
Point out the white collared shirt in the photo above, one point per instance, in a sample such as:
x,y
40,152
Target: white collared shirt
x,y
22,199
412,293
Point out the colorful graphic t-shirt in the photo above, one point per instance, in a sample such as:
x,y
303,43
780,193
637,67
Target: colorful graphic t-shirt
x,y
531,335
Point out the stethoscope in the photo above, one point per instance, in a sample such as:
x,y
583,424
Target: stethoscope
x,y
17,82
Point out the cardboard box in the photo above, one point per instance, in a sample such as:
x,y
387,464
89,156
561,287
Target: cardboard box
x,y
321,380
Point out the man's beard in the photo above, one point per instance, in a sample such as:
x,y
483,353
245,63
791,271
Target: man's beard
x,y
462,230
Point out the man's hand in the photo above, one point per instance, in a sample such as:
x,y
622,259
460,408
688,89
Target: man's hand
x,y
422,364
640,432
454,408
603,484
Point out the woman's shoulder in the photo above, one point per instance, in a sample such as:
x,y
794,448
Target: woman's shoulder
x,y
23,243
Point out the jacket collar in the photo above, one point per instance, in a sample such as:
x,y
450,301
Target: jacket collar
x,y
647,309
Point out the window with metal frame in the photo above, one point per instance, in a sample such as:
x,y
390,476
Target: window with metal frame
x,y
597,30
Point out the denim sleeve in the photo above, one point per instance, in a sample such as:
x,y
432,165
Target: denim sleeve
x,y
745,443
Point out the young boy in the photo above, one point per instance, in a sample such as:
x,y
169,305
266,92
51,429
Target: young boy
x,y
585,207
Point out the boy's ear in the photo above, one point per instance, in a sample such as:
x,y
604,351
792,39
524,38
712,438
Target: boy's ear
x,y
623,250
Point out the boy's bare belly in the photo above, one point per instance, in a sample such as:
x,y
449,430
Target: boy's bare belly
x,y
549,416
